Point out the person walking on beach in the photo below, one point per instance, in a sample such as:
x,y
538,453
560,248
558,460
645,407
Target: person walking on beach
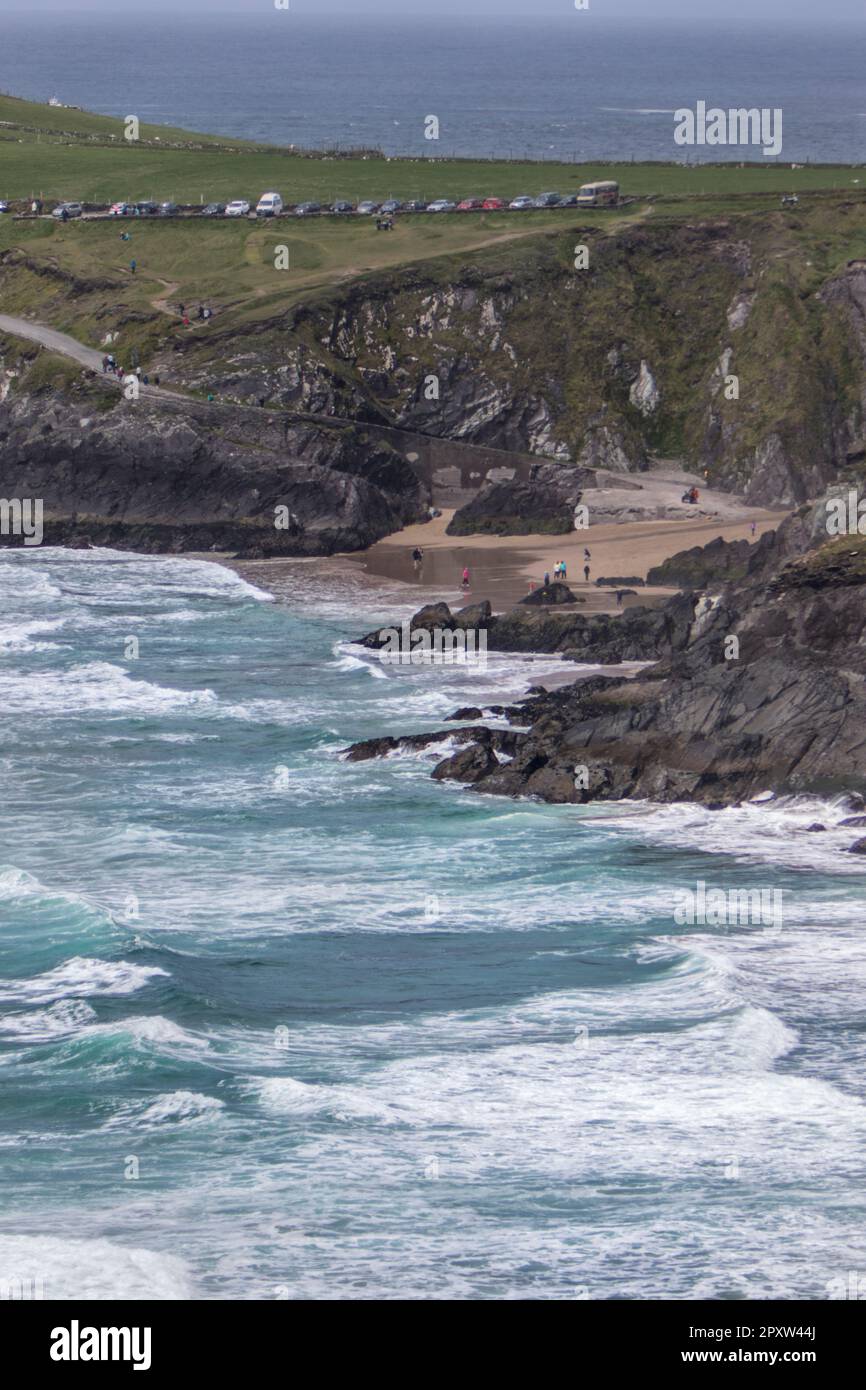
x,y
586,555
466,576
546,578
586,573
563,572
754,529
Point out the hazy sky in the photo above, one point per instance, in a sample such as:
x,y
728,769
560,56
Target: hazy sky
x,y
744,12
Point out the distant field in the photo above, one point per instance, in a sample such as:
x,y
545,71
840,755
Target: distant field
x,y
93,163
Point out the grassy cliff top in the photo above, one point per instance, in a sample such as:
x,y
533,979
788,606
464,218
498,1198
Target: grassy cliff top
x,y
61,152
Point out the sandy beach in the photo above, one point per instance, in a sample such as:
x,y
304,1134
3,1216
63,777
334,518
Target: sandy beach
x,y
504,569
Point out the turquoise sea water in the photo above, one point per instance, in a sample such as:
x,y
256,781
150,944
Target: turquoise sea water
x,y
363,1035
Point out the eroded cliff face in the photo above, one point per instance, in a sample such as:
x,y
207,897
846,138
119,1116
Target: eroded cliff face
x,y
720,342
159,474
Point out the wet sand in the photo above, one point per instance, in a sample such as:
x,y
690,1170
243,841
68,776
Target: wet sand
x,y
503,569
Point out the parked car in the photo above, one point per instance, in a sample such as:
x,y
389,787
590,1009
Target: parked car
x,y
493,204
147,209
4,206
521,203
568,200
120,210
547,200
442,205
470,205
367,207
168,209
269,205
213,210
415,205
307,209
342,205
71,210
391,205
237,208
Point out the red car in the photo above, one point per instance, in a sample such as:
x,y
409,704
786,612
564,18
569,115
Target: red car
x,y
469,205
493,204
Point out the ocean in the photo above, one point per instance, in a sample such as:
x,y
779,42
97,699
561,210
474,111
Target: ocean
x,y
582,87
274,1025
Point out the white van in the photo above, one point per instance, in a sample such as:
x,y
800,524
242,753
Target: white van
x,y
269,205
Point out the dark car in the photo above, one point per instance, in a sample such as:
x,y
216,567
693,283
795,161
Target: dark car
x,y
368,207
4,206
213,210
415,205
342,205
391,206
168,209
547,200
568,200
147,209
307,209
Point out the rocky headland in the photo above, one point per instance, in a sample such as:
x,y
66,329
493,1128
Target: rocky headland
x,y
753,684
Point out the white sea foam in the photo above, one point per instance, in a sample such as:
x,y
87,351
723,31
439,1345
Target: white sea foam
x,y
95,688
98,1269
176,1107
81,977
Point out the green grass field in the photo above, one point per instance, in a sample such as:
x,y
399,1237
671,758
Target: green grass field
x,y
58,153
76,275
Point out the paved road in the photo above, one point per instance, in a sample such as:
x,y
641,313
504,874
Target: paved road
x,y
50,338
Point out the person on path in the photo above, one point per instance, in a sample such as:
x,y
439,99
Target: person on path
x,y
105,365
132,265
466,576
754,529
586,573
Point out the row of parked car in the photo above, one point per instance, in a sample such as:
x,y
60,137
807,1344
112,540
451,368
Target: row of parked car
x,y
271,205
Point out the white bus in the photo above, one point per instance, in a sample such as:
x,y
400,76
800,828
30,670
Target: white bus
x,y
598,195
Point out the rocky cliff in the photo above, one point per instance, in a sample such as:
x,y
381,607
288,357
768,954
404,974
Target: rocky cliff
x,y
163,473
737,344
758,686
